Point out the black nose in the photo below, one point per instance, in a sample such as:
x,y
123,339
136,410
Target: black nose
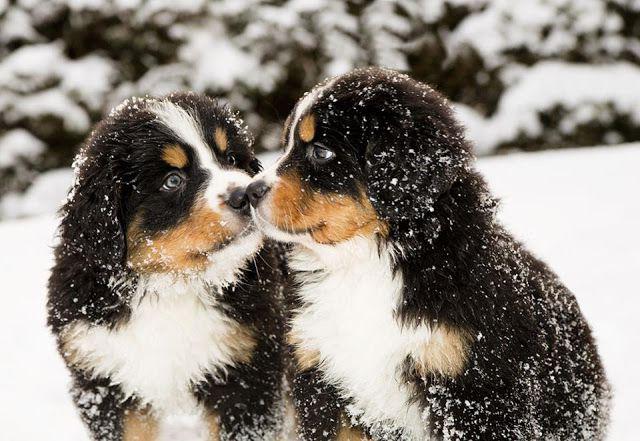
x,y
256,191
238,200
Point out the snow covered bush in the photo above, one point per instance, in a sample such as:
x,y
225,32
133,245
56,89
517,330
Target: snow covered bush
x,y
19,150
555,72
526,74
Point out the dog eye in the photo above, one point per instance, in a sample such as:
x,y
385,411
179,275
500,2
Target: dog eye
x,y
320,153
172,182
231,159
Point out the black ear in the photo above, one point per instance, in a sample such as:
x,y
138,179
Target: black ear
x,y
415,153
421,181
89,277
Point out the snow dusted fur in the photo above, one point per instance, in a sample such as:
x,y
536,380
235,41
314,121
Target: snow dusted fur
x,y
163,298
427,320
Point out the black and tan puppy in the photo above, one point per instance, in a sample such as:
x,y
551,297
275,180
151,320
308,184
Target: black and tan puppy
x,y
417,315
163,298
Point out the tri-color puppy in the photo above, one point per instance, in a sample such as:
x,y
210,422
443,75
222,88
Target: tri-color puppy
x,y
417,316
162,297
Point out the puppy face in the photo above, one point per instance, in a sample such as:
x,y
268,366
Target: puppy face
x,y
366,153
182,163
317,192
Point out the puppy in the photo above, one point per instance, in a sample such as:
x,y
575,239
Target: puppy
x,y
417,316
162,297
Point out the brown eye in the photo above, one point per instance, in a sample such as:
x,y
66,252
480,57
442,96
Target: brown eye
x,y
172,182
320,153
231,159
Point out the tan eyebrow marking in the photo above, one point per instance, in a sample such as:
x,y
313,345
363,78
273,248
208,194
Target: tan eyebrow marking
x,y
307,128
175,156
220,135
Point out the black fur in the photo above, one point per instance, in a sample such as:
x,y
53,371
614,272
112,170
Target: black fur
x,y
248,402
118,173
533,370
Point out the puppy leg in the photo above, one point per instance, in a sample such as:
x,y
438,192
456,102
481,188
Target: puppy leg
x,y
246,406
464,411
107,413
318,409
101,405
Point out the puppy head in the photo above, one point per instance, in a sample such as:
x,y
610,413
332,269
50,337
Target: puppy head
x,y
366,153
158,187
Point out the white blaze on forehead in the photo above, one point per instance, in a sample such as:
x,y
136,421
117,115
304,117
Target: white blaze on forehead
x,y
187,127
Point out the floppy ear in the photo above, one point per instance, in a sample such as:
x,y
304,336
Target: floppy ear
x,y
415,153
421,181
88,280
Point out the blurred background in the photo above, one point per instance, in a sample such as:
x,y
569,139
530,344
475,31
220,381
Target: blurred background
x,y
549,91
523,74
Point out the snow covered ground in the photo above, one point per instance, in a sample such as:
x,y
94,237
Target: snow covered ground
x,y
577,209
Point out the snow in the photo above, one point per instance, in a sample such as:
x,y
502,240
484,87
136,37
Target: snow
x,y
74,79
30,66
45,195
576,209
54,85
257,56
50,102
222,67
571,86
33,377
587,92
19,144
547,28
16,25
476,128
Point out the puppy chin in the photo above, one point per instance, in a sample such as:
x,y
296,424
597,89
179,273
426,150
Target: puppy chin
x,y
261,219
226,263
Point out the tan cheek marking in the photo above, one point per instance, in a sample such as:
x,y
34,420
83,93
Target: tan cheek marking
x,y
307,128
288,197
139,425
220,136
305,358
175,156
331,218
445,353
345,217
181,248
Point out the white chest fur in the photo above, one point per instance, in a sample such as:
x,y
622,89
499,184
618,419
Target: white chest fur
x,y
171,341
349,319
